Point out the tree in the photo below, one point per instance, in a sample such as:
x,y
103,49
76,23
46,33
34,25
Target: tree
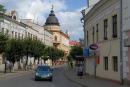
x,y
76,51
3,45
38,49
53,53
14,50
28,46
3,42
2,8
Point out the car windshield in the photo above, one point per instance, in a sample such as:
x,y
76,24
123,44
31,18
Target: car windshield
x,y
43,68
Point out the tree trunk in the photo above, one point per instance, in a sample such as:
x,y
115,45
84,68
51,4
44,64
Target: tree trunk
x,y
34,61
19,65
52,62
38,60
44,61
5,67
26,62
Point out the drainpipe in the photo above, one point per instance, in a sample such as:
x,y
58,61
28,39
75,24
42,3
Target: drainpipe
x,y
121,44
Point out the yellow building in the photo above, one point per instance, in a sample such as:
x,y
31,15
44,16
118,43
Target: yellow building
x,y
60,39
102,27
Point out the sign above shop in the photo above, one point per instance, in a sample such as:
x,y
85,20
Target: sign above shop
x,y
86,52
93,46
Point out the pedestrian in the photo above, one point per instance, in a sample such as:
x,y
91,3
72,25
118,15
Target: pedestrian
x,y
80,71
71,64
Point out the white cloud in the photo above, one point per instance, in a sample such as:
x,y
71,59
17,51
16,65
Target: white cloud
x,y
39,10
71,21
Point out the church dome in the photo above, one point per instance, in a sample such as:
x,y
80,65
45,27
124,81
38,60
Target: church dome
x,y
52,19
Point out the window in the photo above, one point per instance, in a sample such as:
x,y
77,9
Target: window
x,y
106,63
105,29
18,35
15,34
97,32
22,36
26,34
55,38
114,26
2,30
31,36
115,63
93,34
12,34
7,32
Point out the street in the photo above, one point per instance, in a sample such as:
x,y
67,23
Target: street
x,y
27,80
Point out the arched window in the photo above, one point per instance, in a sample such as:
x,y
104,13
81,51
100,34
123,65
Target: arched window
x,y
55,38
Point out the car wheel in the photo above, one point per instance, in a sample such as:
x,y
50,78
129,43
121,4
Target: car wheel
x,y
51,79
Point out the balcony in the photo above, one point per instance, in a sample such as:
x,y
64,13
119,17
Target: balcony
x,y
56,42
127,42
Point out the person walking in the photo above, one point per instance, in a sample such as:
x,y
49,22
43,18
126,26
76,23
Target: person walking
x,y
80,71
71,64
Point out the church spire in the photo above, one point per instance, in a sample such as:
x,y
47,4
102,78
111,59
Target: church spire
x,y
52,7
52,10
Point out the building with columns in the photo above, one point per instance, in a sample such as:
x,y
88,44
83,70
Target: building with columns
x,y
60,39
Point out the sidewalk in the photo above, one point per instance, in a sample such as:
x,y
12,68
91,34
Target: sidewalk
x,y
13,74
88,81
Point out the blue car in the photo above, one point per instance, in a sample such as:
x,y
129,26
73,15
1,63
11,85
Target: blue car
x,y
44,73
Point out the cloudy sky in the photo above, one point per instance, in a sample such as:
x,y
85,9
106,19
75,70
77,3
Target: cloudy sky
x,y
67,11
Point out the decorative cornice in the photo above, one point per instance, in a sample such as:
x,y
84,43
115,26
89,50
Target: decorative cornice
x,y
60,33
95,8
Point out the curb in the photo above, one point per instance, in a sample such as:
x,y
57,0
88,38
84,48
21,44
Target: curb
x,y
72,80
17,74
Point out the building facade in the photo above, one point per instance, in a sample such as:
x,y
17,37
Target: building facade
x,y
126,38
102,27
60,39
17,29
45,36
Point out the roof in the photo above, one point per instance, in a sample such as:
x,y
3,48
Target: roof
x,y
15,21
74,43
52,19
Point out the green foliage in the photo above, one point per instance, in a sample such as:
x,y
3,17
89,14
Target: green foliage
x,y
70,58
2,8
38,48
28,46
3,42
14,50
76,51
53,53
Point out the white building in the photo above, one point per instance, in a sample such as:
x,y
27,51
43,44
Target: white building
x,y
15,29
102,27
45,36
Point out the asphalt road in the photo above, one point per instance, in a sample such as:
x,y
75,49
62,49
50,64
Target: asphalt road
x,y
27,80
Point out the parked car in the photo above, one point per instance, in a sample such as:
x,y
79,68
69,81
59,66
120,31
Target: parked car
x,y
44,73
